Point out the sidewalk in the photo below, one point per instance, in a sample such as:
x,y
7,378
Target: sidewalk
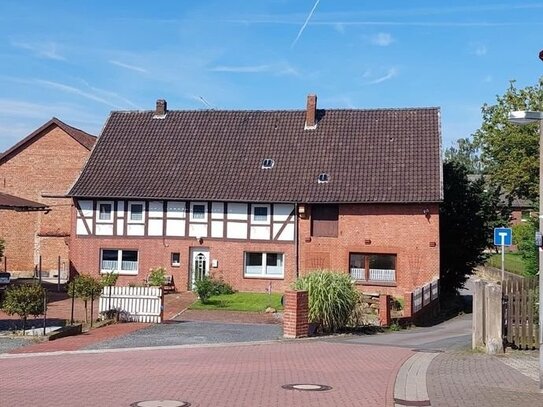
x,y
465,378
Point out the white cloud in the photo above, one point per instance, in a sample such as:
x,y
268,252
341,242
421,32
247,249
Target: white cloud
x,y
281,69
391,73
128,66
382,39
46,50
478,49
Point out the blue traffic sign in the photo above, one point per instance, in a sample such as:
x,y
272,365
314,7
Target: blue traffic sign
x,y
503,236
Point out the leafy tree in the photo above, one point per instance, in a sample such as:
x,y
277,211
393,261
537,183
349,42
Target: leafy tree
x,y
85,287
157,277
468,215
109,279
24,300
523,237
509,152
467,153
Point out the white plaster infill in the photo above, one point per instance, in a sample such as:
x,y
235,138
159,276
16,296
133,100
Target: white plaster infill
x,y
410,386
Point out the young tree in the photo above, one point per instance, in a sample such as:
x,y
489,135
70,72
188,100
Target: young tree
x,y
510,153
24,300
85,287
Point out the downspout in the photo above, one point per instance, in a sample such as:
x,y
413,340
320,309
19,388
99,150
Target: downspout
x,y
296,240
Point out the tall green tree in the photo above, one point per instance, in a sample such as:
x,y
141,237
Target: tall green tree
x,y
509,152
465,152
468,215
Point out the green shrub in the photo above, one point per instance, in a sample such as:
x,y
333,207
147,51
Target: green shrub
x,y
222,288
205,288
332,297
524,238
157,277
85,287
24,300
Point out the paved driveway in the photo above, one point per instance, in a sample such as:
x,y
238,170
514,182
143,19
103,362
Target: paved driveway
x,y
192,332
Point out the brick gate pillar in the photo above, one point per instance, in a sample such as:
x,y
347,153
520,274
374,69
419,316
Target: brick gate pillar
x,y
384,310
296,314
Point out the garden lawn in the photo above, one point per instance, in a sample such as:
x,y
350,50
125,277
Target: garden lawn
x,y
513,263
253,302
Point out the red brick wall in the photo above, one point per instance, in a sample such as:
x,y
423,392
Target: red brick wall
x,y
154,252
296,314
49,165
403,230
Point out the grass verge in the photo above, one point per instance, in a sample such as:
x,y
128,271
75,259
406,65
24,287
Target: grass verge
x,y
251,302
513,263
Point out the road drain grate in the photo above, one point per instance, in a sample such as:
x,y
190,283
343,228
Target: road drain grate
x,y
306,387
160,403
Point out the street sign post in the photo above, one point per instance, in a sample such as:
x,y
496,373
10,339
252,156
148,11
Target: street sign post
x,y
503,237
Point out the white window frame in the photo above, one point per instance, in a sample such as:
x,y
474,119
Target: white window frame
x,y
119,261
202,220
254,221
263,273
112,208
176,263
132,203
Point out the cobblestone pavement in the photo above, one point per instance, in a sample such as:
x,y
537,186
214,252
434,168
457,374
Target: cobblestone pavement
x,y
526,362
250,375
231,316
478,380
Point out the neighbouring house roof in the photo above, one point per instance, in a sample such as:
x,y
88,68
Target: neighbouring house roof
x,y
19,204
379,155
85,139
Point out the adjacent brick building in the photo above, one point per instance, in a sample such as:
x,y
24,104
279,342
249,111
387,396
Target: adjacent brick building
x,y
41,168
258,198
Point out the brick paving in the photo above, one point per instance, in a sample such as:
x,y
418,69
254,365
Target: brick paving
x,y
478,380
252,375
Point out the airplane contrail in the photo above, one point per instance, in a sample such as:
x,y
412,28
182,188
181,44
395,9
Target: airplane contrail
x,y
305,24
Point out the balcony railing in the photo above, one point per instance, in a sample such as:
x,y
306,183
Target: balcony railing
x,y
381,275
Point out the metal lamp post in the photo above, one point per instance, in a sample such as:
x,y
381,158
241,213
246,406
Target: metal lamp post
x,y
525,117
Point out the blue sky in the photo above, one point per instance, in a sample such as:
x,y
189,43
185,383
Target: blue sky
x,y
78,60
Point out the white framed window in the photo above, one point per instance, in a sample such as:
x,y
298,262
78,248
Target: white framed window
x,y
268,265
136,212
261,214
198,211
105,211
176,259
380,268
119,261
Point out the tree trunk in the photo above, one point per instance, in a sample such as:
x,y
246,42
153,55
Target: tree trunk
x,y
86,317
24,325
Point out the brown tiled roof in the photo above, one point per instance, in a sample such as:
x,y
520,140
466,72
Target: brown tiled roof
x,y
85,139
385,155
19,204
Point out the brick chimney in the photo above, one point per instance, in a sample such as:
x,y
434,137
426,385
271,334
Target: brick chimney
x,y
311,113
161,108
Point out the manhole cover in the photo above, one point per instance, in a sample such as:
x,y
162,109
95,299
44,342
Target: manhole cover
x,y
160,403
306,387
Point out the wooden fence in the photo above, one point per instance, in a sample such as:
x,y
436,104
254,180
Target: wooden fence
x,y
425,295
520,312
140,304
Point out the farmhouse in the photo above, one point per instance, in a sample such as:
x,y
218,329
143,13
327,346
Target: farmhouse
x,y
258,198
41,168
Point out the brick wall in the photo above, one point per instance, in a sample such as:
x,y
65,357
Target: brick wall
x,y
154,252
404,230
296,314
49,165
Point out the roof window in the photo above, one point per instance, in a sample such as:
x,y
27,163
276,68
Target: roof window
x,y
323,177
267,164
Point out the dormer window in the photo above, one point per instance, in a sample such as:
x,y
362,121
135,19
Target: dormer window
x,y
267,164
323,177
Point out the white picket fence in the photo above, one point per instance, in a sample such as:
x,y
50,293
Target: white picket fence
x,y
139,304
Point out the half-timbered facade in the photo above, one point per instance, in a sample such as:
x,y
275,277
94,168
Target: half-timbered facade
x,y
258,198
